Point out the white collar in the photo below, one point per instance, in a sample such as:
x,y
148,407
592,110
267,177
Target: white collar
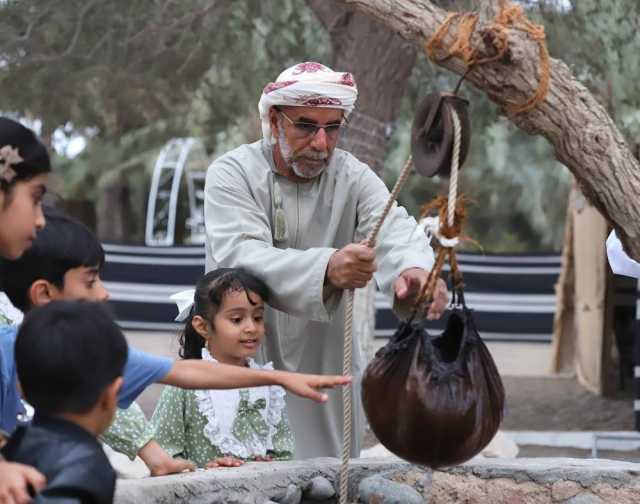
x,y
220,408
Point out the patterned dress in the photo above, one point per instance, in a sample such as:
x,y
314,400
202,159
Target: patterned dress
x,y
129,431
201,425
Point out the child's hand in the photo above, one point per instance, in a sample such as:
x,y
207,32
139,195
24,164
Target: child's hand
x,y
306,385
15,481
172,466
263,459
224,462
160,462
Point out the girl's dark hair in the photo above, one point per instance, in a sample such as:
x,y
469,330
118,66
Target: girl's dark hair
x,y
35,158
210,291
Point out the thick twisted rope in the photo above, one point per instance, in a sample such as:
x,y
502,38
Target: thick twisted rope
x,y
447,229
347,399
455,165
402,179
347,359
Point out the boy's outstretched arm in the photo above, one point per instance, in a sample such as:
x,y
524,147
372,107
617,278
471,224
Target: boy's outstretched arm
x,y
197,374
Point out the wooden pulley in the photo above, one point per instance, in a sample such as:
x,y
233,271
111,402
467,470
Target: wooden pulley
x,y
432,133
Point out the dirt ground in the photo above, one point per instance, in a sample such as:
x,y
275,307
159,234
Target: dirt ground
x,y
547,403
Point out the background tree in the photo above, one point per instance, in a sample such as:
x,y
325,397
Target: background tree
x,y
127,76
131,75
381,62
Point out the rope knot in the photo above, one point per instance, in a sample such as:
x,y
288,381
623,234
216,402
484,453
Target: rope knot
x,y
441,204
495,34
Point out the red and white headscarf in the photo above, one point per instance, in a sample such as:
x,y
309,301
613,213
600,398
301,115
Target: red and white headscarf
x,y
307,84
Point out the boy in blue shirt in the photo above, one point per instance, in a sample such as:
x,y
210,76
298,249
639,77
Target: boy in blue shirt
x,y
64,264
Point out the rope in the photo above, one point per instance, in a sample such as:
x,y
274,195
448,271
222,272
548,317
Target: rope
x,y
455,162
402,179
347,367
347,398
496,33
451,217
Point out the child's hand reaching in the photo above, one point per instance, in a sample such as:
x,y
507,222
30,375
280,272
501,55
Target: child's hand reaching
x,y
306,385
224,462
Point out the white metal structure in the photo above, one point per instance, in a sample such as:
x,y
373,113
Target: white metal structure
x,y
180,156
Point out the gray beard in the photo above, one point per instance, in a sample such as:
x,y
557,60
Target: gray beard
x,y
300,171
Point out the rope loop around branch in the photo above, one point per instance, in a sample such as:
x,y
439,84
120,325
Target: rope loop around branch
x,y
496,33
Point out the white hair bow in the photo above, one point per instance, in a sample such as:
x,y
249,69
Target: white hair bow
x,y
184,302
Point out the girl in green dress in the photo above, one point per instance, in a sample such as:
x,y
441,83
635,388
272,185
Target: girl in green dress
x,y
216,428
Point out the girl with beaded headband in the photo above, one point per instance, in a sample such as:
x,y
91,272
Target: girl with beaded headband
x,y
24,168
24,165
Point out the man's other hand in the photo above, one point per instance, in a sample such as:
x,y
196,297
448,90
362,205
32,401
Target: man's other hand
x,y
411,281
352,266
440,301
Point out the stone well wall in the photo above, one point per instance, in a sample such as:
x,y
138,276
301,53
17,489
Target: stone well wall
x,y
389,480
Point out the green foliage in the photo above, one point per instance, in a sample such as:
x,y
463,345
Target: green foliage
x,y
116,65
121,65
138,72
600,40
259,42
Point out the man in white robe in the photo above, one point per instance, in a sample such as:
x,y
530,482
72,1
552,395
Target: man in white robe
x,y
293,209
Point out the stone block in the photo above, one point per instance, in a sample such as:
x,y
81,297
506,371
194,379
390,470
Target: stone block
x,y
319,489
562,490
379,490
584,498
293,495
521,481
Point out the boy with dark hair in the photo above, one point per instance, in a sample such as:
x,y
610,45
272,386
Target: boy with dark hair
x,y
65,257
64,264
70,356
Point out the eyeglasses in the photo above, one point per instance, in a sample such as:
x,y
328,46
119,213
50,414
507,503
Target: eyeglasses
x,y
303,129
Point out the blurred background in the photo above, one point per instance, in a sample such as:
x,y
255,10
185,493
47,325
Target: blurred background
x,y
136,97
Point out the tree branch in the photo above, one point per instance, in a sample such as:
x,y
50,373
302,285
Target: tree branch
x,y
584,137
487,9
74,38
177,23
